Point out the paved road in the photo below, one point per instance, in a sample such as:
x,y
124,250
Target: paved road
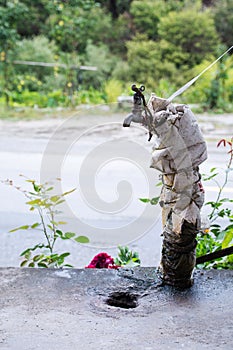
x,y
79,150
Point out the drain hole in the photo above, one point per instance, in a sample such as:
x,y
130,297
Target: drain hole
x,y
124,300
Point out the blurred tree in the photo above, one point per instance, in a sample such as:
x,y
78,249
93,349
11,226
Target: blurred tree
x,y
72,25
146,64
156,42
217,92
115,7
101,57
10,14
208,3
120,31
33,24
187,37
147,14
38,49
223,17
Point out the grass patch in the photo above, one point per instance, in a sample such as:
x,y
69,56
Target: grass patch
x,y
27,113
30,113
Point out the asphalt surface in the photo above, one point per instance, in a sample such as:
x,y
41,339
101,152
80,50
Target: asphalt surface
x,y
125,309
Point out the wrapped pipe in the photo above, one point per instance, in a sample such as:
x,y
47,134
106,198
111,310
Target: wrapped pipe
x,y
178,151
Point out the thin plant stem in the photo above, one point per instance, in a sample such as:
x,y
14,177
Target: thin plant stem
x,y
45,230
212,216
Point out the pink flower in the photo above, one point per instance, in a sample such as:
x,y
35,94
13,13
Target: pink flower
x,y
102,261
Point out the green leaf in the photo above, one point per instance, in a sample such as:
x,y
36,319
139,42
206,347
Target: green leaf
x,y
225,200
35,225
64,255
60,233
68,192
25,251
27,255
61,201
227,238
38,257
209,177
25,227
69,235
55,198
54,222
82,239
230,259
34,194
154,200
36,187
53,256
214,204
32,264
62,222
42,264
34,202
37,246
144,200
23,263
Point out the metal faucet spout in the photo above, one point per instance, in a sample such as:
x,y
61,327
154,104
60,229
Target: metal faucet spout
x,y
128,120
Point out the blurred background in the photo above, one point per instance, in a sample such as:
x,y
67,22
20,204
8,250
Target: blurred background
x,y
73,52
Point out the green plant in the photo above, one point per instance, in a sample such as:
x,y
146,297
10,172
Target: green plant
x,y
216,93
214,88
223,17
127,257
38,49
100,57
147,63
216,237
146,16
154,200
32,98
113,88
43,200
10,12
190,36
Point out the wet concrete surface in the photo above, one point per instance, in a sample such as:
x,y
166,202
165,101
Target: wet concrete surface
x,y
124,309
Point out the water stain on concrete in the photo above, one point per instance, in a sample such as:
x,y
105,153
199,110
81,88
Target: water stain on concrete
x,y
129,308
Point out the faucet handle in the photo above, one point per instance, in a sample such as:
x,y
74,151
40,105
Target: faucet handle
x,y
135,89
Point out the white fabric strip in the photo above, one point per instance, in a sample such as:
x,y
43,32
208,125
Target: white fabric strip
x,y
189,83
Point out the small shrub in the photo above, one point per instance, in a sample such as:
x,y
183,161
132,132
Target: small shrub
x,y
113,89
217,237
127,257
43,200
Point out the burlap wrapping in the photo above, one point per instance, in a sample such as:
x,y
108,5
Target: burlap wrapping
x,y
177,153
